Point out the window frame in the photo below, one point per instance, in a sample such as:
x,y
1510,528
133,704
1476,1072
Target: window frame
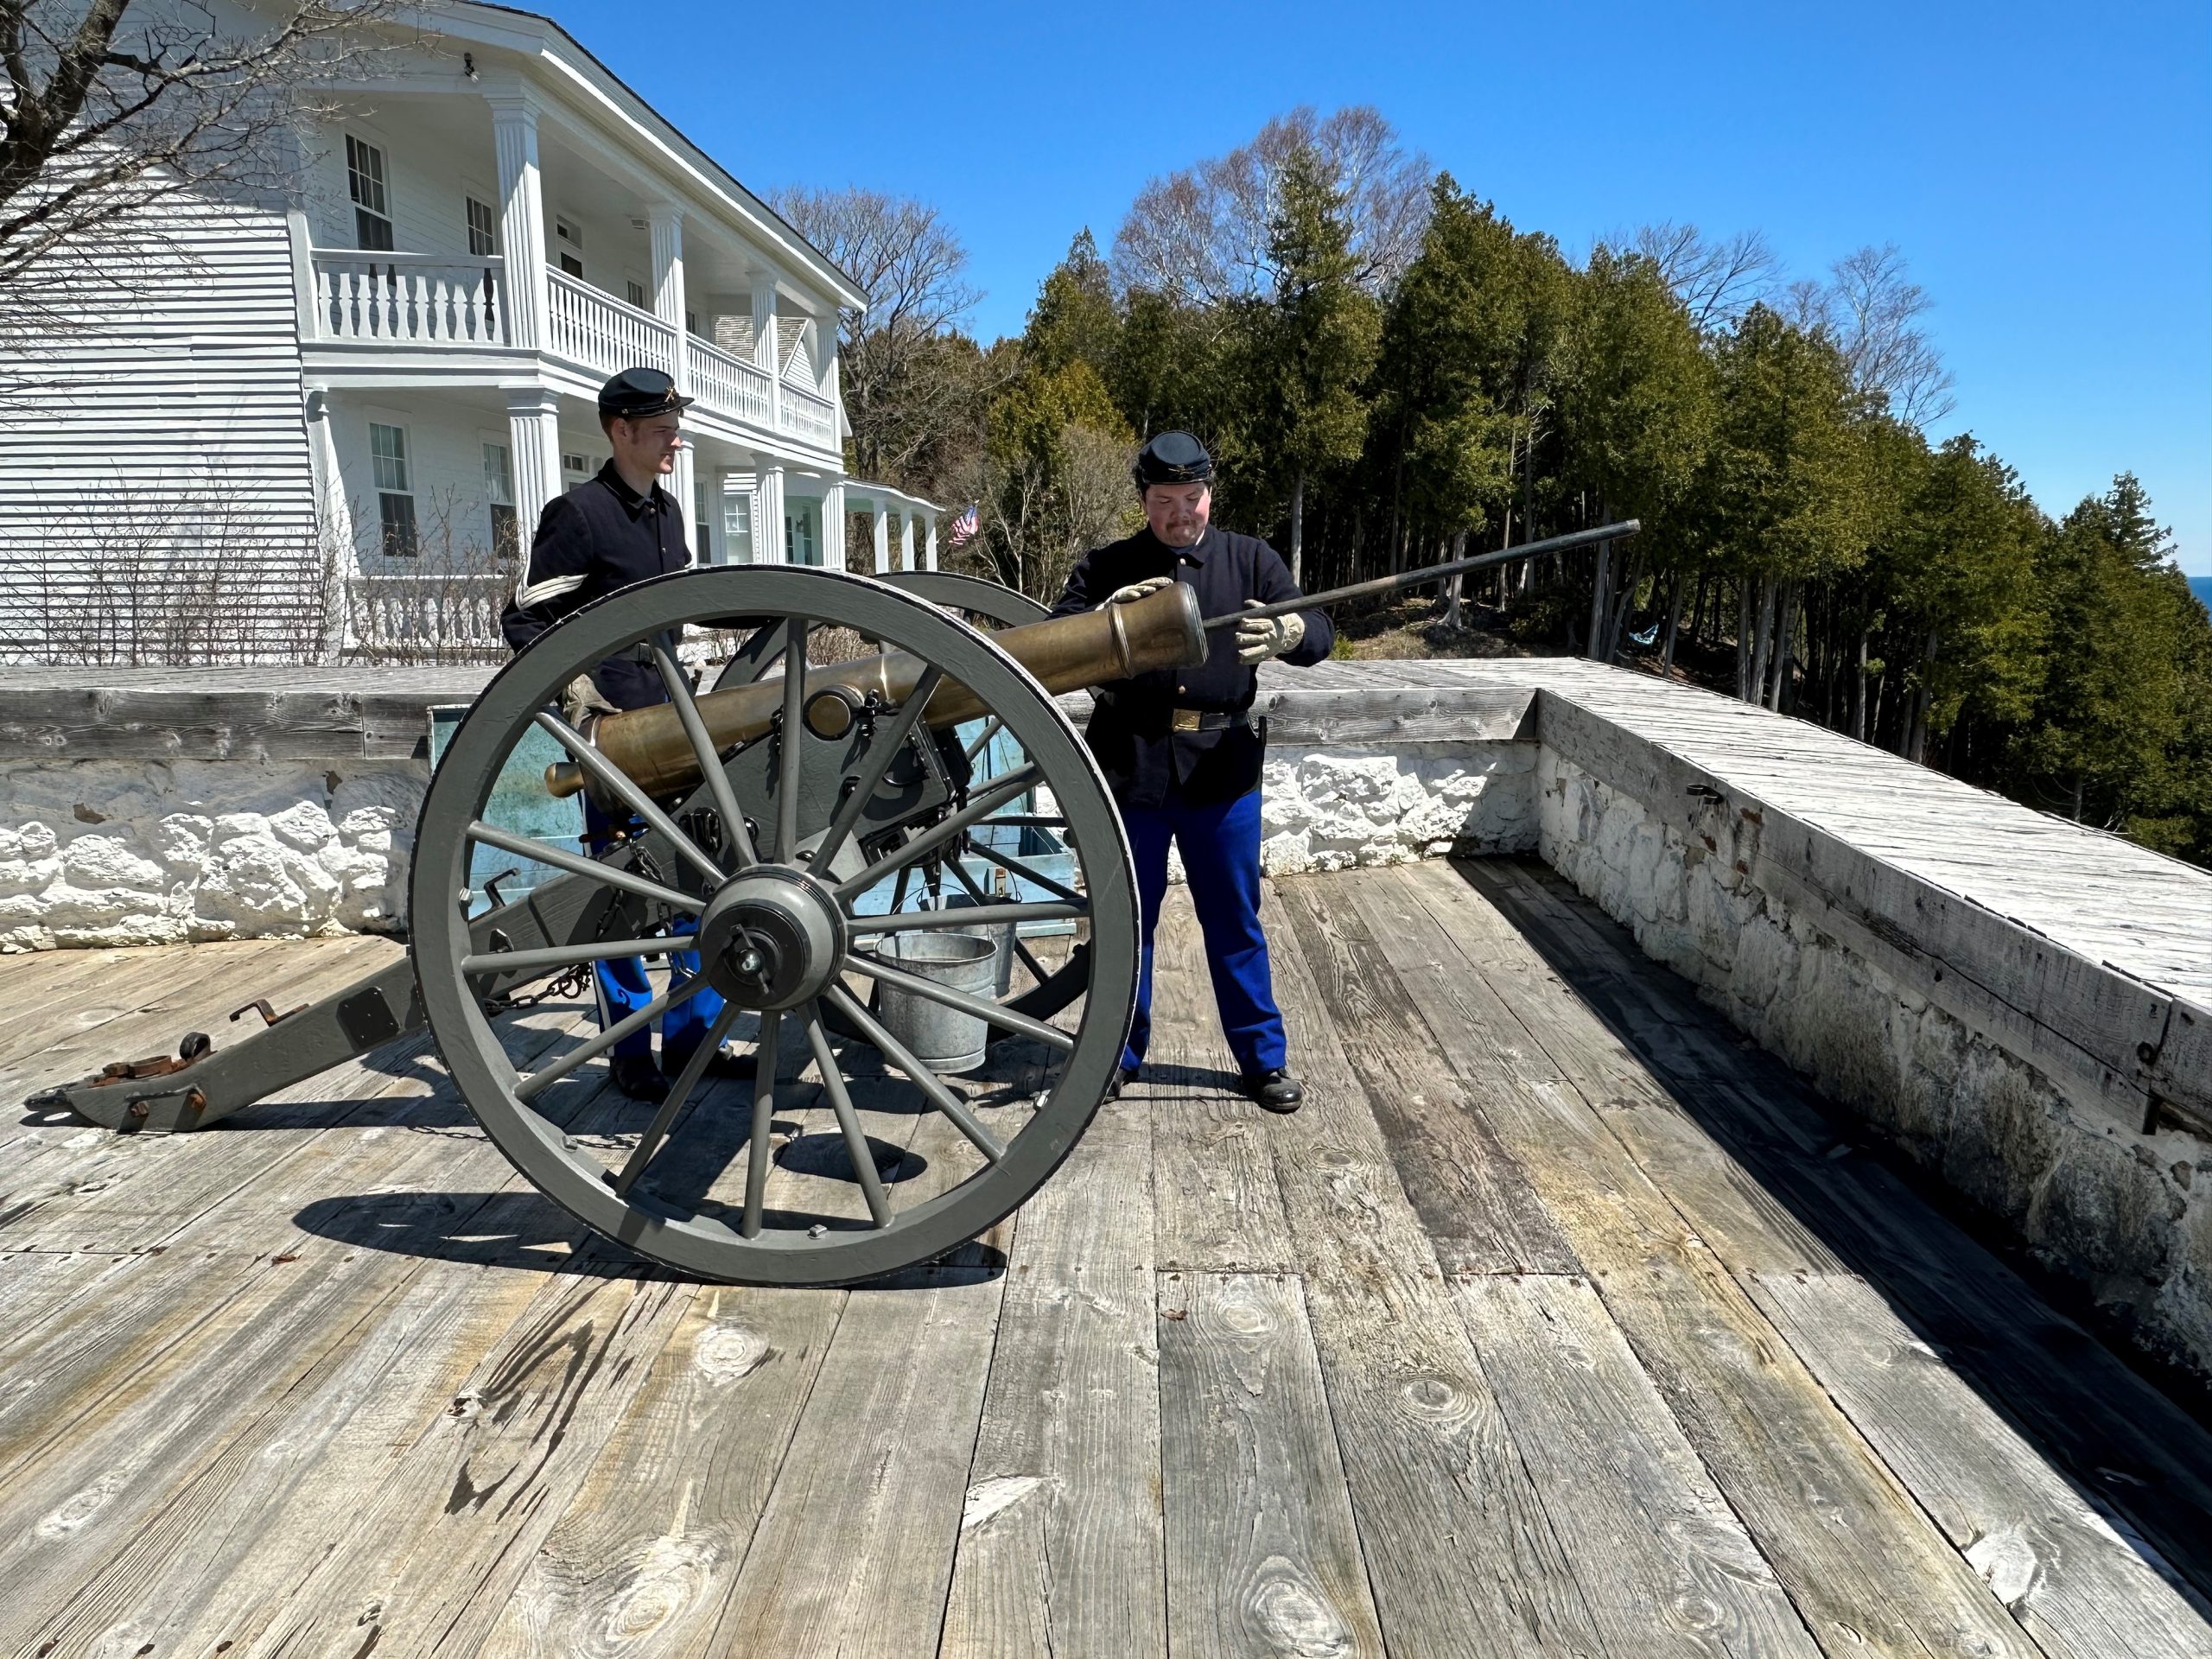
x,y
488,232
367,171
399,530
568,246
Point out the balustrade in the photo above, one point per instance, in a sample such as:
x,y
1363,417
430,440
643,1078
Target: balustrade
x,y
440,617
729,384
409,297
603,333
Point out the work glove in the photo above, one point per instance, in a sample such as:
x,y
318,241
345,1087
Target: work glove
x,y
581,701
1259,638
1136,590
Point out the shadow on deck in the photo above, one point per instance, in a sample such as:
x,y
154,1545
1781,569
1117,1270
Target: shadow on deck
x,y
1559,1322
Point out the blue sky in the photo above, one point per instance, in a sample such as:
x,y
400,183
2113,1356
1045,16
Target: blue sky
x,y
2046,170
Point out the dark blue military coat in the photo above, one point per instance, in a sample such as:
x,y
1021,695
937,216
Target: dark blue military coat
x,y
1133,730
599,537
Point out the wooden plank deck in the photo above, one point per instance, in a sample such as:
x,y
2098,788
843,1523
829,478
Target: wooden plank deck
x,y
1559,1322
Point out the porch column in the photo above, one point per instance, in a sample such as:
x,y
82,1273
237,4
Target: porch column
x,y
906,538
833,523
534,443
928,544
880,520
528,298
766,350
333,519
664,222
769,546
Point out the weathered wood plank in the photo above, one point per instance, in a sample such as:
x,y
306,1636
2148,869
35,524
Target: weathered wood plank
x,y
1473,1197
1060,1541
1219,1206
1428,1458
1668,1567
203,1566
2048,1548
651,1542
435,1550
855,1551
2083,1406
1263,1557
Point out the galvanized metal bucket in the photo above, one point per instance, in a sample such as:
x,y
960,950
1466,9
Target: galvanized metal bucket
x,y
944,1040
999,935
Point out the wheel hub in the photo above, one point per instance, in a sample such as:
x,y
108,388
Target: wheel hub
x,y
772,937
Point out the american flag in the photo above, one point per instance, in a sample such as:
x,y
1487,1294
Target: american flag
x,y
963,527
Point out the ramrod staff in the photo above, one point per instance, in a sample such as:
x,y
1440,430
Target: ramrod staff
x,y
1432,573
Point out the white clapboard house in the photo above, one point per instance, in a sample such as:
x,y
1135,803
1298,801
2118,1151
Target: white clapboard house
x,y
355,399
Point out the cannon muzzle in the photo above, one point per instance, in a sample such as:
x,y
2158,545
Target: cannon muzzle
x,y
1064,654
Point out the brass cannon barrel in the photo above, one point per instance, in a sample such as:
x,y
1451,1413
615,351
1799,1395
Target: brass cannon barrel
x,y
1064,653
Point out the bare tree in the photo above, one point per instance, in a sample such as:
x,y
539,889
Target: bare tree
x,y
1039,514
1872,310
1717,281
1202,234
112,110
909,371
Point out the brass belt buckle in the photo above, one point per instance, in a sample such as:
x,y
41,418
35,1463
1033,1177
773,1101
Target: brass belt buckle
x,y
1183,720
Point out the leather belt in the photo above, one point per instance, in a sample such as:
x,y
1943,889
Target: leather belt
x,y
1203,720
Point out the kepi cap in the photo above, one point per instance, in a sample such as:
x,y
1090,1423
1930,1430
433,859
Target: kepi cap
x,y
1173,458
636,394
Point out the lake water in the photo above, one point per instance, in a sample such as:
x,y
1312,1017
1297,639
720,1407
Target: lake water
x,y
2201,587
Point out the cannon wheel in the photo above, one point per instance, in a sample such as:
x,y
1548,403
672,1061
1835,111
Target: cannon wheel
x,y
650,1185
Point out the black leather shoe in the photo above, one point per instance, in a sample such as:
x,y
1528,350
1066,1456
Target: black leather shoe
x,y
1123,1078
636,1076
1277,1090
737,1067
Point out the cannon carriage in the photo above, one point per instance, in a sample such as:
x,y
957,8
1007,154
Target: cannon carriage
x,y
798,828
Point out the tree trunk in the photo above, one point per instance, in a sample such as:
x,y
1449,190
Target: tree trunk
x,y
1451,593
1762,642
1743,639
1624,607
1598,579
1674,623
1298,529
1785,644
1859,691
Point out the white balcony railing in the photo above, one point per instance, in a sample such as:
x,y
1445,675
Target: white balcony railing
x,y
422,299
408,298
603,333
444,617
810,415
729,384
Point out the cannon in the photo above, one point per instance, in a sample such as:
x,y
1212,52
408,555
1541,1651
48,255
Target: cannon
x,y
786,823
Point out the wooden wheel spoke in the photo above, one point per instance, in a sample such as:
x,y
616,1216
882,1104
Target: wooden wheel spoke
x,y
764,1112
883,747
568,955
848,1121
1028,873
679,1093
924,1079
983,1009
702,749
976,892
590,869
992,728
793,756
620,785
908,921
1001,791
540,1081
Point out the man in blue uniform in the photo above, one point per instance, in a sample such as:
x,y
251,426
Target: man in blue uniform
x,y
1183,754
620,528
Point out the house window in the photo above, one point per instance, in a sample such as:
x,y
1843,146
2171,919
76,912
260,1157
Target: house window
x,y
571,250
737,528
499,490
395,491
365,180
483,228
636,292
691,323
575,468
703,534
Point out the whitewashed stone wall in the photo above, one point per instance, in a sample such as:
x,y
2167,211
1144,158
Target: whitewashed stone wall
x,y
2120,1211
150,852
